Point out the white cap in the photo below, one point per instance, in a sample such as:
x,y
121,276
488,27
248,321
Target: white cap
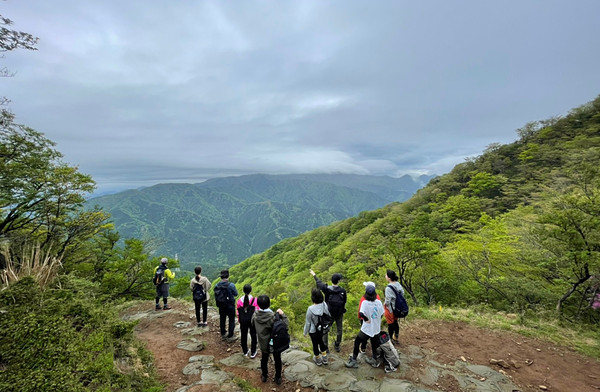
x,y
164,260
368,284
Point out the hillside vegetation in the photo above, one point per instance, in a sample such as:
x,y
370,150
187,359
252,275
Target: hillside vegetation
x,y
222,221
516,229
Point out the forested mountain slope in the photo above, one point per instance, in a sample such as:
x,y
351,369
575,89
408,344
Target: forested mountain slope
x,y
517,229
222,221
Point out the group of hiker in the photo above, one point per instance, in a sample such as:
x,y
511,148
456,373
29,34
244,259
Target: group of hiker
x,y
268,329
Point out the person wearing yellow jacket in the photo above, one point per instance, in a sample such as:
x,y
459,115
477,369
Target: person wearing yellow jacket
x,y
162,274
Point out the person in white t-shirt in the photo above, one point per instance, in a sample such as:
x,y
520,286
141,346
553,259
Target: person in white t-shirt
x,y
370,312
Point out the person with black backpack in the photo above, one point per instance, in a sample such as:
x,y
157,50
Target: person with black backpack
x,y
318,322
270,327
200,286
162,274
392,291
335,297
246,306
225,295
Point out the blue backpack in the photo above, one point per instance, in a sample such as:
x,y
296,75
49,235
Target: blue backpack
x,y
400,307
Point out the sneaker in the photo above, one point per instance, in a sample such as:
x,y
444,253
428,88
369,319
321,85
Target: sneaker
x,y
324,359
389,368
157,307
373,362
317,360
231,338
253,355
351,362
167,307
224,337
395,341
336,346
247,353
263,378
199,325
278,380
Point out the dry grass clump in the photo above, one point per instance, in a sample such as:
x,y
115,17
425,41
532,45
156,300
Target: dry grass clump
x,y
34,262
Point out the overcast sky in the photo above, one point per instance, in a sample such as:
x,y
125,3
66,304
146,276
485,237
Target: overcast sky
x,y
146,91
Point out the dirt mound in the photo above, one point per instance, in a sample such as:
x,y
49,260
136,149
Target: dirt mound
x,y
529,363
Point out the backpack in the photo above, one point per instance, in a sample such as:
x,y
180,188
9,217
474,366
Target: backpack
x,y
336,301
389,354
245,312
280,335
222,297
159,276
400,305
199,294
324,322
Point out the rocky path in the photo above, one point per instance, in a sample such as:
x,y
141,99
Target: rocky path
x,y
191,359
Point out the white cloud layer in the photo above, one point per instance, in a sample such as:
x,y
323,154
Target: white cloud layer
x,y
141,92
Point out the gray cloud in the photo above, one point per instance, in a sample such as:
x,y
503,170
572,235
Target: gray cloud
x,y
141,92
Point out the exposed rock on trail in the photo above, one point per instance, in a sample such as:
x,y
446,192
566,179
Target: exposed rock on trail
x,y
434,356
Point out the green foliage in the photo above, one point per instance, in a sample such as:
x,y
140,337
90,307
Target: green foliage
x,y
65,339
41,197
222,221
515,229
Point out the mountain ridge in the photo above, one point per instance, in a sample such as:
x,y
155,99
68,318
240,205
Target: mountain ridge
x,y
221,221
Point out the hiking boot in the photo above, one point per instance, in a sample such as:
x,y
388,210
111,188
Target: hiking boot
x,y
224,337
231,338
317,360
167,307
373,362
336,346
324,359
253,355
263,378
351,362
278,380
389,368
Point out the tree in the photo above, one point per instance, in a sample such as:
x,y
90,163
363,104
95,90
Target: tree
x,y
485,255
411,256
570,229
10,40
41,198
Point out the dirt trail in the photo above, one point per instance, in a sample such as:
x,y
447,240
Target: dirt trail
x,y
528,363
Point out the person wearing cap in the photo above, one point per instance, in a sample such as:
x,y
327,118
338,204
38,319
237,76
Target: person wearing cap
x,y
363,346
371,312
335,298
162,288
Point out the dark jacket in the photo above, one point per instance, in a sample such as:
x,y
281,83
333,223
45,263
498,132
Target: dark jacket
x,y
233,293
328,290
263,320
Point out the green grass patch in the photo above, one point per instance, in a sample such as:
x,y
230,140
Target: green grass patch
x,y
585,339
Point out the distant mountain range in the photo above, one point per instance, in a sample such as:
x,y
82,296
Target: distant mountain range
x,y
222,221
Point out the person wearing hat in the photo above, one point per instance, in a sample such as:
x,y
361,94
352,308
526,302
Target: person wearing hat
x,y
363,346
335,298
162,274
371,312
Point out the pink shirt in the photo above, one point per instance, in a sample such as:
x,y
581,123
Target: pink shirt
x,y
240,303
